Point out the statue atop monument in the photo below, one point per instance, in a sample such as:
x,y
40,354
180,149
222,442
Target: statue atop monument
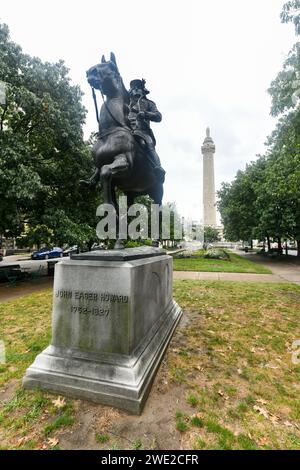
x,y
208,144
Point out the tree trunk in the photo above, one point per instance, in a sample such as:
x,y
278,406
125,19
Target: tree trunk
x,y
298,248
286,248
279,246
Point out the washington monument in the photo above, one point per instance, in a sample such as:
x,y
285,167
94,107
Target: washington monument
x,y
209,209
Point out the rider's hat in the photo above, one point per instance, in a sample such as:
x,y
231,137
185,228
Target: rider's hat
x,y
140,84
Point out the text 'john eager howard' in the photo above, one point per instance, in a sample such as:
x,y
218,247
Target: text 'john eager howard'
x,y
94,296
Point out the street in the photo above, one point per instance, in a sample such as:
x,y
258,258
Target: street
x,y
27,264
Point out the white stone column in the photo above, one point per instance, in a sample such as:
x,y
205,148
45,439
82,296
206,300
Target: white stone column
x,y
209,209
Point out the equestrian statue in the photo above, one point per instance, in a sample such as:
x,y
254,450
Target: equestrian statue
x,y
124,153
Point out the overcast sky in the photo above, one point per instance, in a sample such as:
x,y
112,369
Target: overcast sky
x,y
207,63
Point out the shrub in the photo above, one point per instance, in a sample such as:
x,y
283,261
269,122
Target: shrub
x,y
137,243
217,253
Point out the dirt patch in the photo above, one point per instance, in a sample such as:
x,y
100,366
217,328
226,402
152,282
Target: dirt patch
x,y
154,428
8,391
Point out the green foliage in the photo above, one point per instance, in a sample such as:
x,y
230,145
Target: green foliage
x,y
60,421
211,234
192,400
137,243
290,14
137,444
264,200
42,152
195,261
199,444
198,422
102,438
175,222
237,202
217,253
188,254
181,422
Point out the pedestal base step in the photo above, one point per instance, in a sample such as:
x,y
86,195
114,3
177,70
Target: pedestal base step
x,y
111,379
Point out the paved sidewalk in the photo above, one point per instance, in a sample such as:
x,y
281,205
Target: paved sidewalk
x,y
245,277
282,272
8,292
287,270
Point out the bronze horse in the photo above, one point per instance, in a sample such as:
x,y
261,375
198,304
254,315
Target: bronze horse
x,y
120,160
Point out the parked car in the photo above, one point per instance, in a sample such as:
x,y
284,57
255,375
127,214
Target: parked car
x,y
46,253
1,255
71,249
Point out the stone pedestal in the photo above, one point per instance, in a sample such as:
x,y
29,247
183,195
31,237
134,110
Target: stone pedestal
x,y
113,316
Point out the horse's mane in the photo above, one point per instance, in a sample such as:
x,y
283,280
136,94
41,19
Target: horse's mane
x,y
123,89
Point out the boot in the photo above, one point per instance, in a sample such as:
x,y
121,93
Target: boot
x,y
158,170
160,174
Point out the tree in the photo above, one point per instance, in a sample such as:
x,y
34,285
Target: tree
x,y
270,186
284,142
290,14
211,234
42,152
237,205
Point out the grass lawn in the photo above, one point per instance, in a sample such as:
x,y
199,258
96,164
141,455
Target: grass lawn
x,y
236,264
227,380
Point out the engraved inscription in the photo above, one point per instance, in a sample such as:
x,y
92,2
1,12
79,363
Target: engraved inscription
x,y
88,299
92,296
96,311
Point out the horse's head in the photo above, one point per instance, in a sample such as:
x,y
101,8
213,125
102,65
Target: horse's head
x,y
106,77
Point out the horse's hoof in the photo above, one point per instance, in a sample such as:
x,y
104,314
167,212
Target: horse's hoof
x,y
119,245
85,183
88,184
106,172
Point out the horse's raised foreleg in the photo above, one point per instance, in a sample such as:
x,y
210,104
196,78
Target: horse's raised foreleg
x,y
93,181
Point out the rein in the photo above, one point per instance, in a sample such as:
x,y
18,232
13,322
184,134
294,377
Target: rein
x,y
109,112
100,136
95,103
120,125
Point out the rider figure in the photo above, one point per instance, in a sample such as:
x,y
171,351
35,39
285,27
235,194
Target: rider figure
x,y
141,112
